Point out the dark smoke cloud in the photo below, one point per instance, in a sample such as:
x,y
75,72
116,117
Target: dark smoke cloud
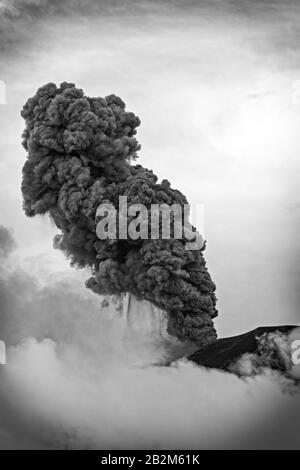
x,y
79,154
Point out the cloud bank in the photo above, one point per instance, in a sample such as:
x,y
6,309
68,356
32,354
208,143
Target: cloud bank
x,y
78,376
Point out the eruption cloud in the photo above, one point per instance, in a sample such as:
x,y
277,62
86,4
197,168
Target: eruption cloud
x,y
80,154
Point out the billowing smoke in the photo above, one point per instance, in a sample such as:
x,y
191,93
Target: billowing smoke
x,y
80,153
79,375
274,352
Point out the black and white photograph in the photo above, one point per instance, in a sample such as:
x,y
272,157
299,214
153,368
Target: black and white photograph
x,y
149,228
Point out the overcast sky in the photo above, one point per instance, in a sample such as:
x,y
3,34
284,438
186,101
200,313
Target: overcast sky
x,y
215,85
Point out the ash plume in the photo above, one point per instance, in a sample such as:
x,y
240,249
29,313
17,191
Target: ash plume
x,y
80,153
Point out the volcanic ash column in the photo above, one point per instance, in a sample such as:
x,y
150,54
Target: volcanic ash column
x,y
80,155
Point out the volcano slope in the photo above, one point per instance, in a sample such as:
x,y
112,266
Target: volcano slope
x,y
262,343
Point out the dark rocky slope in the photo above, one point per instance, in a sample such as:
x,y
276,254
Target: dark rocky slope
x,y
224,352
